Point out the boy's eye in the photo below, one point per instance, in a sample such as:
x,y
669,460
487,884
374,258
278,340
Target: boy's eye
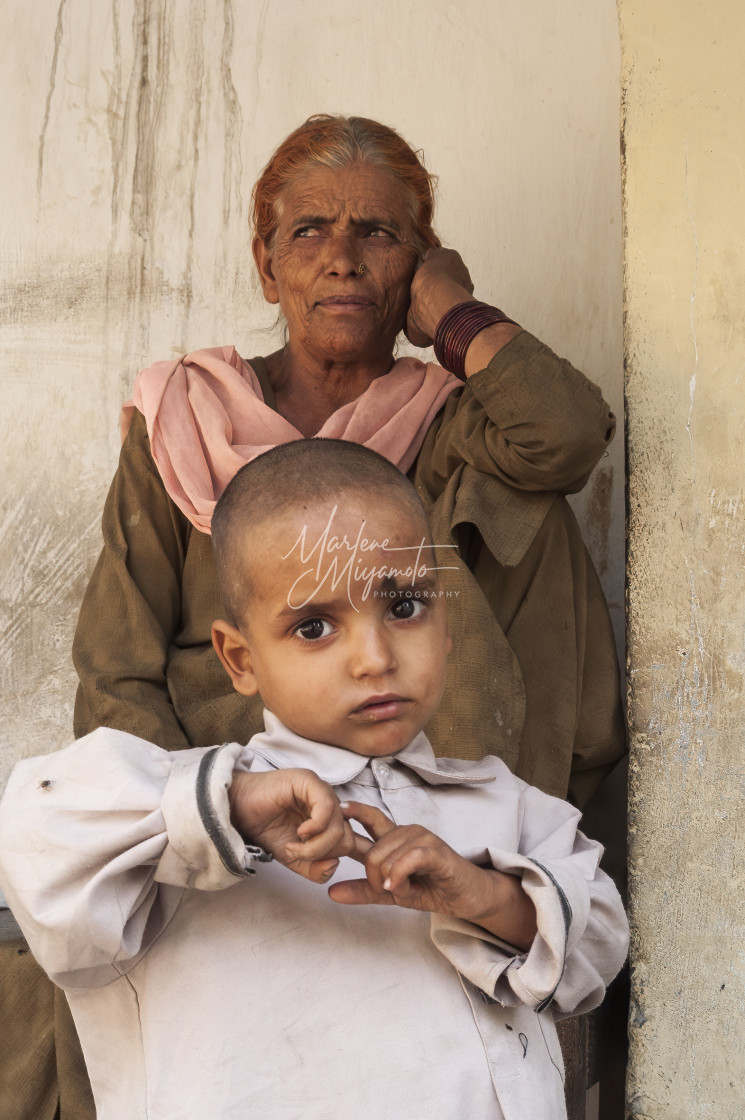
x,y
313,629
408,608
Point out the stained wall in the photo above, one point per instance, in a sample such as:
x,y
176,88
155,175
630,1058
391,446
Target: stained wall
x,y
684,107
133,131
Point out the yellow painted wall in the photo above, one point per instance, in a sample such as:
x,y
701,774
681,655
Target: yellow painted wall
x,y
684,132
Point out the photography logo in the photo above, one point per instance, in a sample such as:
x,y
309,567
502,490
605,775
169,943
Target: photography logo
x,y
336,560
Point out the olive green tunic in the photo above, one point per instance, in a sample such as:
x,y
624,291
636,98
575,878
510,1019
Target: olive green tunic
x,y
533,675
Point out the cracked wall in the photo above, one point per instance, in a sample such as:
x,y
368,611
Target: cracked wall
x,y
134,130
684,105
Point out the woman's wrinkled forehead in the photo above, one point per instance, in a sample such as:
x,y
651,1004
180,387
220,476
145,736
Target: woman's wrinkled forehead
x,y
364,191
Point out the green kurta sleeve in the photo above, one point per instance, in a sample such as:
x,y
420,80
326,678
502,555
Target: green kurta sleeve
x,y
553,612
132,605
529,419
533,676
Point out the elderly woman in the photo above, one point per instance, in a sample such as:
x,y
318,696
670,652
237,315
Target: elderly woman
x,y
344,245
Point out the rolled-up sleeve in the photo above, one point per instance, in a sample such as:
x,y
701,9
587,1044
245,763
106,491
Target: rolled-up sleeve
x,y
529,418
99,841
582,936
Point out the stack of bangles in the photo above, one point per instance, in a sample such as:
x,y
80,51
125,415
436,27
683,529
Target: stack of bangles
x,y
457,329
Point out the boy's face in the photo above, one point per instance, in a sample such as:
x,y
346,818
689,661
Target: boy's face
x,y
340,652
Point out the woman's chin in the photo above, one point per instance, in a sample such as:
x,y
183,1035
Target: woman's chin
x,y
351,348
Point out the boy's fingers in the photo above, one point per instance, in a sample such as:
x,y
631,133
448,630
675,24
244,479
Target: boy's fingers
x,y
380,862
337,839
399,871
371,819
318,871
322,804
362,846
322,870
358,892
374,821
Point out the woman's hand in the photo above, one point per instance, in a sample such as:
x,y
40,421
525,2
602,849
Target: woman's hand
x,y
294,815
441,280
409,866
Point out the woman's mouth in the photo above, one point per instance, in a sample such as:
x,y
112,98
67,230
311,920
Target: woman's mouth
x,y
345,303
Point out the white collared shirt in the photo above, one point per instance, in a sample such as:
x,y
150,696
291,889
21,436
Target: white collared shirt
x,y
206,982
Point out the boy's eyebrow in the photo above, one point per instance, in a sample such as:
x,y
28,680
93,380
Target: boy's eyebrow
x,y
392,585
289,613
307,610
389,585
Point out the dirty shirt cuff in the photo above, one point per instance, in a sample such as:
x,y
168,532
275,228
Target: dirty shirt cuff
x,y
204,850
508,974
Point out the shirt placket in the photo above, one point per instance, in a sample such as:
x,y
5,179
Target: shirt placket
x,y
492,1020
391,784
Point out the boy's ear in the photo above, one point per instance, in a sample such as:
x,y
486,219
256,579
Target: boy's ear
x,y
263,259
231,648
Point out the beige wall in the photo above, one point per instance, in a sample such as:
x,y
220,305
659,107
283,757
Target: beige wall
x,y
133,132
685,349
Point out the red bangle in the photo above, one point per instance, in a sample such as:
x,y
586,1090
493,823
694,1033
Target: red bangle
x,y
457,329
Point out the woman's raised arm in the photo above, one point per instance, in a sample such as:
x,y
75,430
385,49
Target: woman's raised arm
x,y
524,415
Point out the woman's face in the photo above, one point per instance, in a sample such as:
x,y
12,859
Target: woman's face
x,y
331,221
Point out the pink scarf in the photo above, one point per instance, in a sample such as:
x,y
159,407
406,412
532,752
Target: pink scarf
x,y
206,417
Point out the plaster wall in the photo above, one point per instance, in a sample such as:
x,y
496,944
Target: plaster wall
x,y
684,106
133,132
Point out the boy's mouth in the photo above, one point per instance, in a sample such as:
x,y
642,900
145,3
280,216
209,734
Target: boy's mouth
x,y
382,707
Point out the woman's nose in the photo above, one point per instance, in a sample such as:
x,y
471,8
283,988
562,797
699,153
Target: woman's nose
x,y
342,253
372,654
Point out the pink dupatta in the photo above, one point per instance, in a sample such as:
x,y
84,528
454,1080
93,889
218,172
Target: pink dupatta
x,y
206,417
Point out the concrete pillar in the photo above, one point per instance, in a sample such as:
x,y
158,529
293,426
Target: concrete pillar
x,y
684,107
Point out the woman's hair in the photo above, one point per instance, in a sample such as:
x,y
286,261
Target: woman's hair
x,y
338,142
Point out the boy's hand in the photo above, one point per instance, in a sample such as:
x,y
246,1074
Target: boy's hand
x,y
409,866
294,815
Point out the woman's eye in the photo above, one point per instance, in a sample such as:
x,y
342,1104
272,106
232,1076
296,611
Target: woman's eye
x,y
408,608
308,231
313,629
378,231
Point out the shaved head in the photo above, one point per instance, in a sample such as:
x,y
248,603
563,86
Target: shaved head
x,y
297,476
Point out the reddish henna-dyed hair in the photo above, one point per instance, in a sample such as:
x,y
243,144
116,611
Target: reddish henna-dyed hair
x,y
338,142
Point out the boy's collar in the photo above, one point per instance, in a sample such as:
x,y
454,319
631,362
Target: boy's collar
x,y
337,766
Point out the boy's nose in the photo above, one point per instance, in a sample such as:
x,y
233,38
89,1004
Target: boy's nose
x,y
372,654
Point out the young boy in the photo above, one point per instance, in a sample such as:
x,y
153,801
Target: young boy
x,y
209,981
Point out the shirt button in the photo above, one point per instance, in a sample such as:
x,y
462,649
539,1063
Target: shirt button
x,y
382,771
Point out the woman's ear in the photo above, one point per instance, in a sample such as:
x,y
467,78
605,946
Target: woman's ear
x,y
231,648
263,259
